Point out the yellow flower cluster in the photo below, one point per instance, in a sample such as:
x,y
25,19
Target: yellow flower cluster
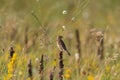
x,y
90,77
29,79
107,68
11,66
67,74
54,63
20,73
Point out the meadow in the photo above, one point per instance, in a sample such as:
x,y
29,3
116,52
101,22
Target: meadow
x,y
28,39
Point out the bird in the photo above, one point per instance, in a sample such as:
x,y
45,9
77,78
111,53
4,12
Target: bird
x,y
61,45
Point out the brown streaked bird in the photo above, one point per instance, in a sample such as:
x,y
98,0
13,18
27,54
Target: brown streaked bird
x,y
61,45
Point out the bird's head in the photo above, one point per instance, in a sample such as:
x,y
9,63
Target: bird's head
x,y
60,37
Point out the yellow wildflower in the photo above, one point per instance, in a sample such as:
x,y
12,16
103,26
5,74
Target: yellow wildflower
x,y
68,71
11,66
90,77
107,68
20,73
14,57
54,62
10,76
67,76
29,78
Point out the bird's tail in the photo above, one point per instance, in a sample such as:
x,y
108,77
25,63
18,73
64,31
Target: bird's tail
x,y
68,52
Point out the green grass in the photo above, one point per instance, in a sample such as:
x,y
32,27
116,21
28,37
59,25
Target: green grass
x,y
42,21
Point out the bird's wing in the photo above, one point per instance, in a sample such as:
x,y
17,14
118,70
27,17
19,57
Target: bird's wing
x,y
63,45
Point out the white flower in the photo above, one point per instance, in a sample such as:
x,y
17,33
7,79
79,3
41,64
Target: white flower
x,y
64,12
64,27
76,56
73,18
36,59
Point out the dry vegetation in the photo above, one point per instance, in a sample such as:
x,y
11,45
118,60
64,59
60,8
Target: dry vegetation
x,y
90,30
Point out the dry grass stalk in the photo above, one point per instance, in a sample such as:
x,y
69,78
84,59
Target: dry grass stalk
x,y
61,65
78,42
100,47
41,68
51,76
78,48
30,74
11,52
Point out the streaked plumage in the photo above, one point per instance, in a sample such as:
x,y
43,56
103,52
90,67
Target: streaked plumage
x,y
61,45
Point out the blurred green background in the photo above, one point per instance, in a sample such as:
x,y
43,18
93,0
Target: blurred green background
x,y
33,25
38,22
17,16
98,13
